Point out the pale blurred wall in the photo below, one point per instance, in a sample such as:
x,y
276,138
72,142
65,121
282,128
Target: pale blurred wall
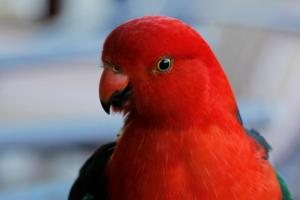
x,y
263,66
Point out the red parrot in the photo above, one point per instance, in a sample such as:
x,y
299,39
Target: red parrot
x,y
183,137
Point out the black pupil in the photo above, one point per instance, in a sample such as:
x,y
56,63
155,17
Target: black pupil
x,y
164,64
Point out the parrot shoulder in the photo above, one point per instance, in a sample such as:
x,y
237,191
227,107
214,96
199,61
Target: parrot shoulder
x,y
87,186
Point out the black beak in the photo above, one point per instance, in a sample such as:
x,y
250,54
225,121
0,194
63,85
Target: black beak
x,y
117,100
106,106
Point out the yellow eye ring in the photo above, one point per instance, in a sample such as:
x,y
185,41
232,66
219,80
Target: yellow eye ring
x,y
164,64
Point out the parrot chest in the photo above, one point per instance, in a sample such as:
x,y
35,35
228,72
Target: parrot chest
x,y
162,167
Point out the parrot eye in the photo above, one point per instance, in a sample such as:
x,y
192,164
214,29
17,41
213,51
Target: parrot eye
x,y
164,64
115,68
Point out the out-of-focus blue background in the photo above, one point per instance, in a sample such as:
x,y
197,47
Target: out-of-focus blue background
x,y
50,116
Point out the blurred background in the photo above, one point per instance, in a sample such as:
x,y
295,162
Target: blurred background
x,y
50,117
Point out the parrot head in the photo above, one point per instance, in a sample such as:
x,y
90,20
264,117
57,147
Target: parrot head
x,y
158,68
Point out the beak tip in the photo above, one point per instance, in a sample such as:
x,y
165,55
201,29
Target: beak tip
x,y
106,107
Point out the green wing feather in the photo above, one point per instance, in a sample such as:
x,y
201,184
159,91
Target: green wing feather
x,y
261,140
91,183
286,195
88,197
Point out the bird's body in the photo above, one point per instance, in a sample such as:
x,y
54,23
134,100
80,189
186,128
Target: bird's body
x,y
211,163
183,137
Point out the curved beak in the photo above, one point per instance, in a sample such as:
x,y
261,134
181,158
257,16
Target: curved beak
x,y
114,90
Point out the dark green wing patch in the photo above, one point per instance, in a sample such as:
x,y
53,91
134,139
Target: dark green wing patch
x,y
256,136
91,182
88,196
239,117
261,140
286,195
